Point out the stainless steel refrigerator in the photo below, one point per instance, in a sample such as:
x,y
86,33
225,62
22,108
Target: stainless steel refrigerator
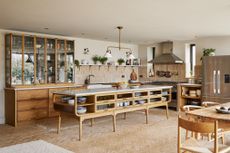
x,y
216,78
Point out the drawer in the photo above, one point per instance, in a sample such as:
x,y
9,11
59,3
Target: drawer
x,y
32,94
32,114
32,104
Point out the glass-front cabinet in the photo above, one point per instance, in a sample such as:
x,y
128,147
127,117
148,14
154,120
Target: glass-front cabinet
x,y
33,60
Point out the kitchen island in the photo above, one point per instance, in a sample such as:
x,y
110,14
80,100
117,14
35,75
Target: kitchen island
x,y
92,103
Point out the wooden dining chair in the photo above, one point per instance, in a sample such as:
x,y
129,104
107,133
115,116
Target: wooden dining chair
x,y
193,145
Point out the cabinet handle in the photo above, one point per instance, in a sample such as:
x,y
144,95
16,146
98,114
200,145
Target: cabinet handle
x,y
214,81
218,81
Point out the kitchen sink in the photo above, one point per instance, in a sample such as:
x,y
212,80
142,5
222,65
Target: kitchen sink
x,y
98,86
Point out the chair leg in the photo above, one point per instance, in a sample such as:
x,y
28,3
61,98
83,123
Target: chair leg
x,y
222,138
125,115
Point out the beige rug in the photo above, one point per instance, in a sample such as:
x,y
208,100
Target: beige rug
x,y
38,146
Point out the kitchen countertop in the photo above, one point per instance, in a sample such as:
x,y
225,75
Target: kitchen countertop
x,y
32,87
86,92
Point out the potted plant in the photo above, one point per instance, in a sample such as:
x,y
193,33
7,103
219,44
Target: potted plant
x,y
103,60
208,52
77,63
95,59
120,61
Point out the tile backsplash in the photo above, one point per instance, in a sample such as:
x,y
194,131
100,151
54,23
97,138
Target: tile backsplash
x,y
104,74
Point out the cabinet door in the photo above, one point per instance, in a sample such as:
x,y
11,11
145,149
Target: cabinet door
x,y
70,61
16,60
28,60
50,58
61,61
40,60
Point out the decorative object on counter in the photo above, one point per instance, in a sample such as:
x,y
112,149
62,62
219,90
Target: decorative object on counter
x,y
86,51
95,59
108,54
103,60
208,52
77,63
133,75
120,61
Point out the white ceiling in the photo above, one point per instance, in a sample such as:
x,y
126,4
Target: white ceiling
x,y
144,21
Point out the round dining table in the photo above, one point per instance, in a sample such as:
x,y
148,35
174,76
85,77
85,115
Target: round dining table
x,y
210,114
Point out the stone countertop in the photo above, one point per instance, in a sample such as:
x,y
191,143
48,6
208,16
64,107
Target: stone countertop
x,y
33,87
87,92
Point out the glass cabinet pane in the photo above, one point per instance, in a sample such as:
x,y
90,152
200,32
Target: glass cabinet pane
x,y
28,60
60,61
50,58
70,61
40,60
16,61
7,58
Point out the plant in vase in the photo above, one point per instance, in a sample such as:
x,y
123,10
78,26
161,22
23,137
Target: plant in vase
x,y
208,52
103,60
95,59
120,61
77,63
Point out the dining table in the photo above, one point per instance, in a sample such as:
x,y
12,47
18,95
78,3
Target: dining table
x,y
210,114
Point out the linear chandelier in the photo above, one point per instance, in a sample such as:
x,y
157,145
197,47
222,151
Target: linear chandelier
x,y
129,53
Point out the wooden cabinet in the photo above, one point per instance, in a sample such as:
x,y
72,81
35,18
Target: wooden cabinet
x,y
33,60
188,94
23,104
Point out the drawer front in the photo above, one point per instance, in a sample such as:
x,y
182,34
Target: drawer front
x,y
32,104
32,94
32,114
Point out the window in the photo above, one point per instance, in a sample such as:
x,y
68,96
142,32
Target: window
x,y
190,58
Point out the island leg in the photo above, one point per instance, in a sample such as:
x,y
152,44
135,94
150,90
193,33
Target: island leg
x,y
167,111
80,128
59,123
114,123
125,115
147,116
91,122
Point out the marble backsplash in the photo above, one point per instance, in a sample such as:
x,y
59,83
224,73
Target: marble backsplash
x,y
104,74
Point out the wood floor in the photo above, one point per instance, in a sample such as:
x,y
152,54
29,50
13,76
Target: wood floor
x,y
132,135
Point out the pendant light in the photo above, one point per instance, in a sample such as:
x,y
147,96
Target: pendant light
x,y
29,60
108,54
108,51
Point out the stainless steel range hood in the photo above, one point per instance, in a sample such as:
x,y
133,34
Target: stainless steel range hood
x,y
167,56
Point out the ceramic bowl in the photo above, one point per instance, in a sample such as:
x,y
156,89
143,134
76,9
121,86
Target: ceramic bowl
x,y
81,110
71,101
141,101
81,99
125,103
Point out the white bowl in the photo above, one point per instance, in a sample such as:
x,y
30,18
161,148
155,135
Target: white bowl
x,y
81,110
71,101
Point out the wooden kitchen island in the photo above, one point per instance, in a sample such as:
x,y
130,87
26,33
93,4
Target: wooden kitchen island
x,y
110,102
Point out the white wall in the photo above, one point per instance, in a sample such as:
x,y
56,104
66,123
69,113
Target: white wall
x,y
95,47
221,44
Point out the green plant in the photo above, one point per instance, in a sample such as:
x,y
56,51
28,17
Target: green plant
x,y
103,60
95,59
120,61
77,63
208,52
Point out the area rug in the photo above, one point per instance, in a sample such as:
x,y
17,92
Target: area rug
x,y
38,146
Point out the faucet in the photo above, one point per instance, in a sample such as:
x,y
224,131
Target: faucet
x,y
87,80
